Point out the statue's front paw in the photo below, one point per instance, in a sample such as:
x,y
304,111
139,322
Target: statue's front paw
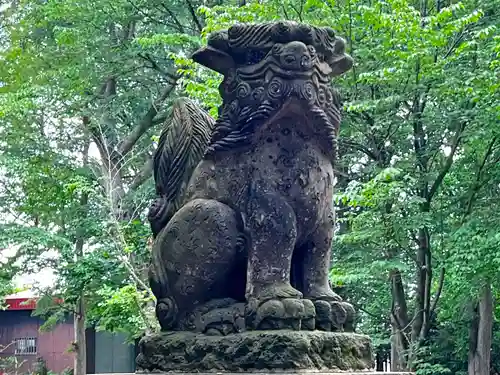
x,y
278,306
277,314
334,315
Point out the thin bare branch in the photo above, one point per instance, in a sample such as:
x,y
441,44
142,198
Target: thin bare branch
x,y
449,161
194,16
147,122
174,18
143,175
359,147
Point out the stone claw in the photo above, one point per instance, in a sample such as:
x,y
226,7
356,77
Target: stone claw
x,y
351,317
276,291
334,315
309,320
277,314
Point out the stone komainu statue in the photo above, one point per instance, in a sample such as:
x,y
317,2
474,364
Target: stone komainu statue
x,y
243,221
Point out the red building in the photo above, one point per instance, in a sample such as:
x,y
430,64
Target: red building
x,y
21,341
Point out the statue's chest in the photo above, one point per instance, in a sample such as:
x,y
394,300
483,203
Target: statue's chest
x,y
291,160
290,165
283,160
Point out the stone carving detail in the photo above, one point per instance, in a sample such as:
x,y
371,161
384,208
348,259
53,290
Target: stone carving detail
x,y
243,221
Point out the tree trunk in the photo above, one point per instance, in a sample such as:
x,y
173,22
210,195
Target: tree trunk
x,y
80,363
80,343
399,322
379,360
398,362
480,334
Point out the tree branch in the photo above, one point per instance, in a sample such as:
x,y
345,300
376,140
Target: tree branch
x,y
147,122
155,66
136,278
193,14
449,161
158,21
174,18
375,316
99,140
143,175
359,147
455,43
159,119
438,292
476,185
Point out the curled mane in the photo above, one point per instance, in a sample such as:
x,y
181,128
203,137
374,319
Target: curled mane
x,y
241,117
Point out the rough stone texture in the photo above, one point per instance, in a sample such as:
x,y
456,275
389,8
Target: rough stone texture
x,y
255,351
243,219
244,208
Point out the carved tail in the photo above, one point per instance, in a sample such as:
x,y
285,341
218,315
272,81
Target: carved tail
x,y
182,145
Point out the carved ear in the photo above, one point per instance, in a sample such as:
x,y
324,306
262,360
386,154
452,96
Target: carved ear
x,y
214,59
340,64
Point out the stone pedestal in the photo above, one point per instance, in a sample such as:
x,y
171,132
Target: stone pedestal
x,y
256,351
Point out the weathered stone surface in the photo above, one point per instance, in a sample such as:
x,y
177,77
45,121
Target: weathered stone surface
x,y
255,351
244,207
243,220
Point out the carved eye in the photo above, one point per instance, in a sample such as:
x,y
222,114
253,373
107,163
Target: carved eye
x,y
311,50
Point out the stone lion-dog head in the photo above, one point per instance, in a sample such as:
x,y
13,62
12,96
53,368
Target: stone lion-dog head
x,y
271,67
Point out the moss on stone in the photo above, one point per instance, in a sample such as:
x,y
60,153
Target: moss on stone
x,y
254,351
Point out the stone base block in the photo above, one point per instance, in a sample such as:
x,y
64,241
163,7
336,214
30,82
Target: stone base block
x,y
255,351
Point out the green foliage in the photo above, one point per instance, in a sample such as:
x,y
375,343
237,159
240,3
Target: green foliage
x,y
428,369
6,287
123,310
11,364
68,201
